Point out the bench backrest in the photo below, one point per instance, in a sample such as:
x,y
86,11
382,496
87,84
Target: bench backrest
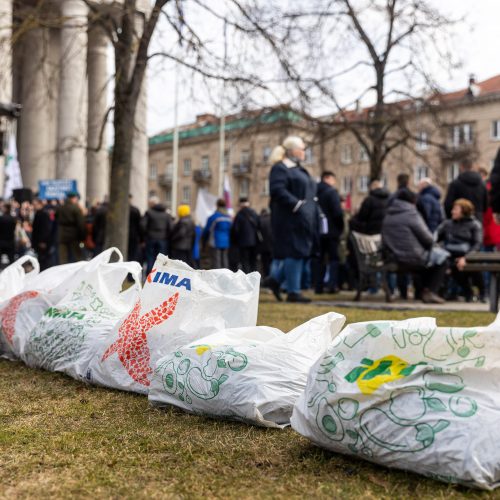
x,y
368,250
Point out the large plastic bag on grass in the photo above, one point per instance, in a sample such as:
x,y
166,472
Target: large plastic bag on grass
x,y
409,395
19,314
15,276
68,333
250,374
177,306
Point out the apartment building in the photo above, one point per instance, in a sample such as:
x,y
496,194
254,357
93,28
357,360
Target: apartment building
x,y
449,126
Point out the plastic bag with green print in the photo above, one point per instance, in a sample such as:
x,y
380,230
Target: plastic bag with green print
x,y
177,305
250,374
410,395
68,333
20,313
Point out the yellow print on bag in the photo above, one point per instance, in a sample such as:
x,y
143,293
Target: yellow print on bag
x,y
373,374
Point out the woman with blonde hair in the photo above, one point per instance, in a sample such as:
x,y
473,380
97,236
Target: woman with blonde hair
x,y
294,217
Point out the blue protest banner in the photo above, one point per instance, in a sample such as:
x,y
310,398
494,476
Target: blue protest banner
x,y
55,189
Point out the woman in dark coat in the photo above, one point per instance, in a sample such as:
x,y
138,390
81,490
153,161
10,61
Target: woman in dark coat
x,y
294,217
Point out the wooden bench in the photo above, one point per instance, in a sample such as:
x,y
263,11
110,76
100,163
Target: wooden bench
x,y
369,258
486,262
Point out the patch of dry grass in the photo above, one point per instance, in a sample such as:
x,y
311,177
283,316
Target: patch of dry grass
x,y
60,438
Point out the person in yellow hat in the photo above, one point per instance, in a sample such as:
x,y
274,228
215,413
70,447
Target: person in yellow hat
x,y
183,236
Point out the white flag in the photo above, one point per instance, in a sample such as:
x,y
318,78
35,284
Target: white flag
x,y
205,206
13,178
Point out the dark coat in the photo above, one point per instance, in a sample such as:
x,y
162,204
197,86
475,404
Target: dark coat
x,y
70,223
157,224
42,229
429,207
135,234
329,202
468,185
244,228
183,234
405,234
495,184
7,231
369,218
461,236
99,225
294,213
266,245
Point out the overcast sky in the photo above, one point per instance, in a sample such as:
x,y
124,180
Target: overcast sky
x,y
477,43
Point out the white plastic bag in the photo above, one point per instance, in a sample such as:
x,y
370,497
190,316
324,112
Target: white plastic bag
x,y
250,374
409,395
177,306
14,277
68,333
19,314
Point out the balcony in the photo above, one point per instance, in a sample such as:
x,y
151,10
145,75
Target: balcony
x,y
456,152
242,169
202,176
165,179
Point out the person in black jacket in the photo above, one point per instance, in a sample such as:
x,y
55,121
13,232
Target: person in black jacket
x,y
329,202
42,234
244,234
99,227
460,235
294,216
135,234
157,226
183,236
468,185
265,245
7,233
495,188
406,238
369,218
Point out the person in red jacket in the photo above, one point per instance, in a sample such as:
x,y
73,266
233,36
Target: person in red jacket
x,y
491,230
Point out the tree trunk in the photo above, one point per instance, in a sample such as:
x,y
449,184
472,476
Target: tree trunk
x,y
117,221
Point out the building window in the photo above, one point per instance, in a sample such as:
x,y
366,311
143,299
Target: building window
x,y
226,160
168,197
363,183
495,130
308,155
170,169
346,185
205,163
153,172
363,153
186,195
265,188
346,154
186,166
420,172
245,157
244,188
266,153
461,134
452,171
422,142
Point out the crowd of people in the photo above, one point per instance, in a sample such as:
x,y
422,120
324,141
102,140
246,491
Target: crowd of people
x,y
301,242
426,239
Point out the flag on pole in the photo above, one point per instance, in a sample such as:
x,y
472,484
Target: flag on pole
x,y
227,195
205,206
13,178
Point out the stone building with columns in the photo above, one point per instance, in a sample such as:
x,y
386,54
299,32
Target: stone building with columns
x,y
60,75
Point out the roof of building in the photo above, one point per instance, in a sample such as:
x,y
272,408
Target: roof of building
x,y
208,124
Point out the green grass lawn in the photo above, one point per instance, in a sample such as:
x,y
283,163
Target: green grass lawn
x,y
61,438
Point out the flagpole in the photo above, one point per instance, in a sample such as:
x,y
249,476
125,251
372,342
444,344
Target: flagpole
x,y
222,131
175,158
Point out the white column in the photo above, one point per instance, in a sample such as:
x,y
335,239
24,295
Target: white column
x,y
35,150
72,110
139,174
97,159
6,65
